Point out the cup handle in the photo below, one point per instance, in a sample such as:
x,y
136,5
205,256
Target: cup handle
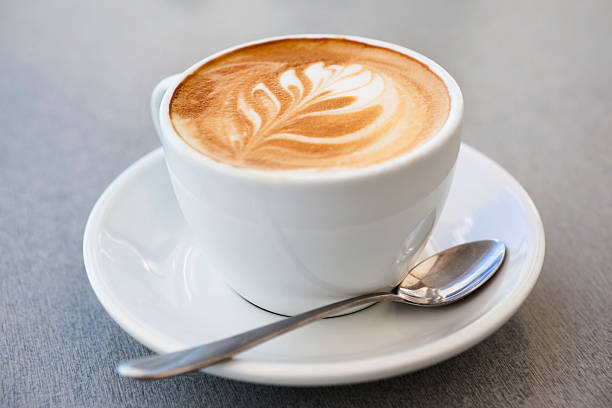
x,y
156,99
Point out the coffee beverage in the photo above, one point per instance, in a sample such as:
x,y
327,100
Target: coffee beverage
x,y
267,147
309,104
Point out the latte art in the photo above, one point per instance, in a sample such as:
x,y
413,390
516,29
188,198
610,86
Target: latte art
x,y
275,107
330,94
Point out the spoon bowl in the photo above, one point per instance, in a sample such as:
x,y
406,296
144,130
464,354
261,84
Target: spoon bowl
x,y
452,274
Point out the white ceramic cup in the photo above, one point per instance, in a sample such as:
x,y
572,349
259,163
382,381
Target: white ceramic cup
x,y
289,242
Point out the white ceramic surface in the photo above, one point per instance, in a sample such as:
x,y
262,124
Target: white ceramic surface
x,y
290,241
151,278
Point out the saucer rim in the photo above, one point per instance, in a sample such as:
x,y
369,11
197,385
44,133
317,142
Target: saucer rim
x,y
338,372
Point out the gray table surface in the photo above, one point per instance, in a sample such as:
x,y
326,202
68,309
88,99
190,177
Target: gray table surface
x,y
75,79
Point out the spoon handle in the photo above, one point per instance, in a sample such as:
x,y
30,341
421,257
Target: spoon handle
x,y
181,362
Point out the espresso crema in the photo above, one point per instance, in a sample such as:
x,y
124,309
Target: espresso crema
x,y
309,104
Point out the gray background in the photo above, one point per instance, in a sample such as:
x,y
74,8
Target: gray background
x,y
75,79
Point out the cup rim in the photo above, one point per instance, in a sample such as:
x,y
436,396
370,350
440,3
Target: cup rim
x,y
421,152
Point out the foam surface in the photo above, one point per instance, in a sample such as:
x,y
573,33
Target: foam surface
x,y
309,104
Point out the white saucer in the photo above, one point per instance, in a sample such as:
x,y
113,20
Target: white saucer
x,y
152,280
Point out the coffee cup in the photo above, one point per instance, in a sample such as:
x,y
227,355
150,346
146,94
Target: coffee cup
x,y
288,241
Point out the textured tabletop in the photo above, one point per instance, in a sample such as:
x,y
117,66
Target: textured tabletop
x,y
75,80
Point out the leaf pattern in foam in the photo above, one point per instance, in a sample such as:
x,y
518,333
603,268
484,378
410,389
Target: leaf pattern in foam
x,y
334,103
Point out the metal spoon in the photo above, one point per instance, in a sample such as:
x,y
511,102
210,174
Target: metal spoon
x,y
439,280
